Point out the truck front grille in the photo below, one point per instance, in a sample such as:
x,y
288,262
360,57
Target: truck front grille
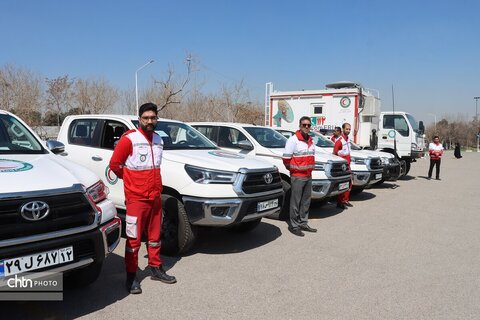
x,y
256,182
375,164
68,210
339,169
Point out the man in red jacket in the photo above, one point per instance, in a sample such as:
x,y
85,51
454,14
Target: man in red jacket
x,y
435,149
136,159
299,159
342,149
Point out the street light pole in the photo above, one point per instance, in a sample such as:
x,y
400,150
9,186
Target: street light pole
x,y
476,121
136,80
435,117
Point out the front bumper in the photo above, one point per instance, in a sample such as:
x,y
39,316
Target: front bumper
x,y
328,188
229,211
365,178
88,247
391,171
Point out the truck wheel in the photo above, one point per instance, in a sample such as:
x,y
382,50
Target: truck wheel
x,y
178,235
247,226
84,276
407,167
284,214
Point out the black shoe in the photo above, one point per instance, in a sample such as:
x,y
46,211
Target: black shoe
x,y
296,231
348,204
438,179
160,275
308,228
132,284
429,178
341,205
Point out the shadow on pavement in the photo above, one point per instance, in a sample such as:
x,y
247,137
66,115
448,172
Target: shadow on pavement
x,y
386,185
77,302
224,241
423,177
324,209
362,196
407,178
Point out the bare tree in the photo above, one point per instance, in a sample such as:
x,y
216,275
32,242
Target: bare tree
x,y
59,96
21,93
94,96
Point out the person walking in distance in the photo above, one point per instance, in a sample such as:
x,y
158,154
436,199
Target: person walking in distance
x,y
136,159
342,149
299,159
435,150
457,153
337,132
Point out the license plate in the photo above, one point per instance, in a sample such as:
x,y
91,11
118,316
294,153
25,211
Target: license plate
x,y
35,261
265,205
343,186
378,176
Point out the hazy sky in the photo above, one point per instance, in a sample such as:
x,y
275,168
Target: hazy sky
x,y
428,50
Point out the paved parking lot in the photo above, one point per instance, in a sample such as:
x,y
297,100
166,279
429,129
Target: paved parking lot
x,y
406,250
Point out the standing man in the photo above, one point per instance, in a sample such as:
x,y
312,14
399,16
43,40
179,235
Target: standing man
x,y
136,159
337,132
342,149
435,149
299,159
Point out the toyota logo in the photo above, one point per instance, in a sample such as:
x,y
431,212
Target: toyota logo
x,y
344,167
35,210
268,178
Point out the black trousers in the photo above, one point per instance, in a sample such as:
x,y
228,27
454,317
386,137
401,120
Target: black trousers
x,y
435,163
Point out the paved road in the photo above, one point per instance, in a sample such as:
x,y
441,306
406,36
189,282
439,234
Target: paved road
x,y
406,250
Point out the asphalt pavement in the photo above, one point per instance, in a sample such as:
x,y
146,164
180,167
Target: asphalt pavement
x,y
408,249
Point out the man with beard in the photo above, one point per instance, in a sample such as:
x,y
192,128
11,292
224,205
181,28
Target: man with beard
x,y
136,159
342,149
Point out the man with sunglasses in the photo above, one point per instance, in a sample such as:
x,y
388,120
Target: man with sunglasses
x,y
299,158
136,159
342,149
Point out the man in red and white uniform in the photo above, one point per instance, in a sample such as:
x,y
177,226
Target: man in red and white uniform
x,y
299,159
342,149
136,159
337,132
435,149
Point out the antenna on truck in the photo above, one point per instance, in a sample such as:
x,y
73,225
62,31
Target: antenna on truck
x,y
394,130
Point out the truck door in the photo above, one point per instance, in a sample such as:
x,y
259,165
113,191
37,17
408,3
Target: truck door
x,y
395,126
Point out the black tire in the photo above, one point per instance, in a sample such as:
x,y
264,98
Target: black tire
x,y
247,226
283,214
84,276
178,235
407,167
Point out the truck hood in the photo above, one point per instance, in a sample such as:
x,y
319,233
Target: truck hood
x,y
216,159
320,155
354,153
23,173
380,154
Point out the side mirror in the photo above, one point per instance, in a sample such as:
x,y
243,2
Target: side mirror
x,y
245,145
421,127
55,146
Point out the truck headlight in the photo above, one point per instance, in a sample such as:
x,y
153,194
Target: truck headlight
x,y
414,146
205,176
385,160
358,160
98,192
320,166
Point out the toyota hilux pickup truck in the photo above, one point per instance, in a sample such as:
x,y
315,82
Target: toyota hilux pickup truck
x,y
329,178
202,184
54,214
366,169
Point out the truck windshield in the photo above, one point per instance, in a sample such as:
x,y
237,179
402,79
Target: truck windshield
x,y
180,136
15,138
413,122
267,137
321,141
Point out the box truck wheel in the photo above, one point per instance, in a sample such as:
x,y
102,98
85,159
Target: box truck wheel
x,y
407,166
178,235
284,214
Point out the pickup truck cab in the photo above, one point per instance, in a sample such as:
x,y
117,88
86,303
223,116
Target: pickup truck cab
x,y
202,185
54,214
366,169
329,178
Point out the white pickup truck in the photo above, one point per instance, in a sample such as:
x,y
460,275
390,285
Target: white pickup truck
x,y
202,185
329,178
54,214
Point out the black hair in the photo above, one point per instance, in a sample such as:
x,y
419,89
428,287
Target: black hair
x,y
304,118
149,106
338,129
343,125
434,137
